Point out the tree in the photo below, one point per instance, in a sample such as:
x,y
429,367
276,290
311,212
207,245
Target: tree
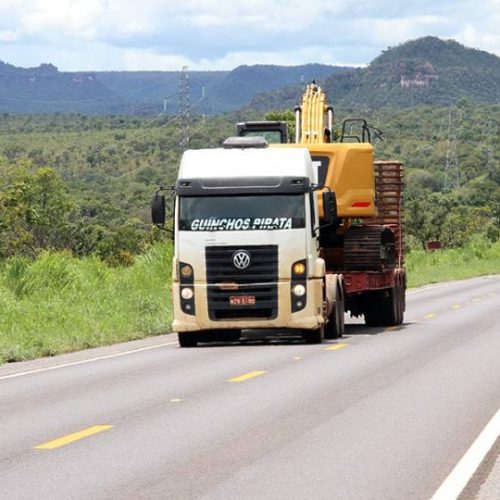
x,y
35,211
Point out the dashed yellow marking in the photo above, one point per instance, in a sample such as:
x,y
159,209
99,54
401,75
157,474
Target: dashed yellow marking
x,y
456,306
430,316
176,400
247,376
491,294
297,358
391,328
71,438
476,300
336,347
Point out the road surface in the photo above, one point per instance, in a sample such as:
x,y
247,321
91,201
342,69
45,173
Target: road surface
x,y
378,414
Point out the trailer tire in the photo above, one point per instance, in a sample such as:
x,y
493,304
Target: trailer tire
x,y
400,302
384,311
188,339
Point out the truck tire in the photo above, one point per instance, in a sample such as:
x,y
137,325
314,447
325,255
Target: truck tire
x,y
335,326
384,310
314,336
188,339
400,304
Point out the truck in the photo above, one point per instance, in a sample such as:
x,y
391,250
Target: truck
x,y
283,239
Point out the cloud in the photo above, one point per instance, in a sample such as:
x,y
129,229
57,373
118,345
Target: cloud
x,y
8,36
216,34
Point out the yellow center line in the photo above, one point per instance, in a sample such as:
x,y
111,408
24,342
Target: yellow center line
x,y
476,300
336,347
70,438
297,358
247,376
430,316
456,306
391,328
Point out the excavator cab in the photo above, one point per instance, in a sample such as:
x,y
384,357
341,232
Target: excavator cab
x,y
274,132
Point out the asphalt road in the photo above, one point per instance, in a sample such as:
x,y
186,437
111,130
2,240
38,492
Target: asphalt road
x,y
379,414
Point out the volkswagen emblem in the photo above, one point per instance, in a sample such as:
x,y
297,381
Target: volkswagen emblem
x,y
241,259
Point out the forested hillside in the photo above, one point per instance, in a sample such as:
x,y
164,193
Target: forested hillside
x,y
45,89
424,71
85,184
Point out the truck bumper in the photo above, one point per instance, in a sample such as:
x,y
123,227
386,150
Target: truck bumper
x,y
309,318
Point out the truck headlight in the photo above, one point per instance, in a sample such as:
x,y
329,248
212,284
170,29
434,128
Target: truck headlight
x,y
299,290
186,271
187,293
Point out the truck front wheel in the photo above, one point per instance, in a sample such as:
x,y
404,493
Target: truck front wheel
x,y
334,329
314,336
188,339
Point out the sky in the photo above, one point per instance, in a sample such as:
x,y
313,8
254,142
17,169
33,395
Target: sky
x,y
100,35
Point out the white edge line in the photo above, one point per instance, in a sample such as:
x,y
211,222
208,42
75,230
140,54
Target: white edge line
x,y
454,484
83,361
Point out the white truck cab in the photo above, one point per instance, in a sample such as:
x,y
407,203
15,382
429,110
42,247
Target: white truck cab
x,y
246,244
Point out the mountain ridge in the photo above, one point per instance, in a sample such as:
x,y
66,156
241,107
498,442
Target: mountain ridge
x,y
426,70
45,89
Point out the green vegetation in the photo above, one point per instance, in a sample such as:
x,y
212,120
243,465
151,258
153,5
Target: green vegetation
x,y
480,257
81,266
59,303
426,71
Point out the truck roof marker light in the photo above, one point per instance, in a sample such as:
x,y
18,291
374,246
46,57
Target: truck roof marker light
x,y
361,204
255,142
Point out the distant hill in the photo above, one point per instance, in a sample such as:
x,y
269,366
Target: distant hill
x,y
423,71
46,90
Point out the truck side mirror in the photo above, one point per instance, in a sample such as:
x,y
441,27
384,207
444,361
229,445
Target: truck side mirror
x,y
158,209
329,207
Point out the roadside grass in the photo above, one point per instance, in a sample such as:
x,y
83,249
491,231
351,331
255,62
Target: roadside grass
x,y
478,258
59,303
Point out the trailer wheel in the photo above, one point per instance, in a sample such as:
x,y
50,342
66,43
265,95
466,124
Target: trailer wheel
x,y
335,327
314,336
400,303
384,311
188,339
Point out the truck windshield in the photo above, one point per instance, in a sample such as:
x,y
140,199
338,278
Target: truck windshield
x,y
241,213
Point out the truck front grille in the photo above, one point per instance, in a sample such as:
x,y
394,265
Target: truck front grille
x,y
258,280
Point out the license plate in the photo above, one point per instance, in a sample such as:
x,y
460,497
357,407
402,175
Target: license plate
x,y
242,300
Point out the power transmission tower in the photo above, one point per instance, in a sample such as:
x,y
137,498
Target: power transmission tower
x,y
184,108
452,165
489,133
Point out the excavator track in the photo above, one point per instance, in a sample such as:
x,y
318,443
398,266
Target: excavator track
x,y
369,248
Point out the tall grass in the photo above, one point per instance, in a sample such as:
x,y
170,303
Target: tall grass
x,y
480,257
59,303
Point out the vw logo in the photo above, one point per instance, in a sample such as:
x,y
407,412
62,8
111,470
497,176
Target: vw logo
x,y
241,259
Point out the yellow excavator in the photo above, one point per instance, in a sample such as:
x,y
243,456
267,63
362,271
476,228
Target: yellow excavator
x,y
365,242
